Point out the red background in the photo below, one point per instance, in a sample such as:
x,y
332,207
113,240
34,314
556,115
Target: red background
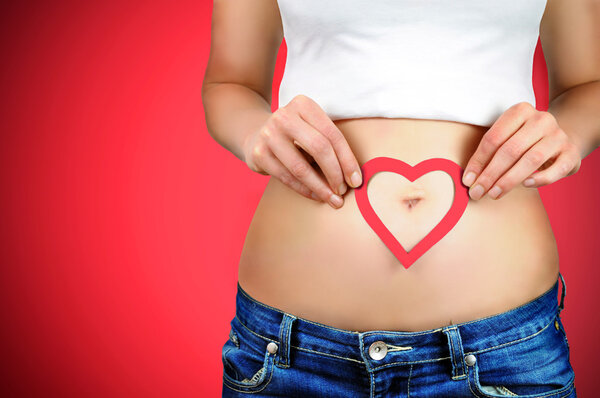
x,y
123,220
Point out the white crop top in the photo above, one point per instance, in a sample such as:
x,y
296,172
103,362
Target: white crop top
x,y
457,60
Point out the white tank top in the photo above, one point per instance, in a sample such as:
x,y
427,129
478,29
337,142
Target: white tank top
x,y
458,60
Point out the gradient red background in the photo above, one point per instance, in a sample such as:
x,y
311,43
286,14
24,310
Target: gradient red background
x,y
123,220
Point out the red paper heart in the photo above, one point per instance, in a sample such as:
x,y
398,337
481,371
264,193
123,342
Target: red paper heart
x,y
461,198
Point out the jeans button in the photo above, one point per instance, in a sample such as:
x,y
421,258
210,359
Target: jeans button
x,y
272,347
378,350
470,359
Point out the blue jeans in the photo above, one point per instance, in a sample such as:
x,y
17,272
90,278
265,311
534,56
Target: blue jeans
x,y
523,352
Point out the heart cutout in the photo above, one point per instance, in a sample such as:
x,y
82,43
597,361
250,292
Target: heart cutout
x,y
459,204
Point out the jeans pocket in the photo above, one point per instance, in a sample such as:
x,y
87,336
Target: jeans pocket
x,y
247,364
534,367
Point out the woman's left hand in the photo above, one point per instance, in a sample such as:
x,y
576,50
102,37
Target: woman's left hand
x,y
519,143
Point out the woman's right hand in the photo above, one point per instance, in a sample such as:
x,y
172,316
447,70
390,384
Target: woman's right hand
x,y
272,150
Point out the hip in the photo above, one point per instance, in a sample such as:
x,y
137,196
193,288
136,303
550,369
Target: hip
x,y
520,352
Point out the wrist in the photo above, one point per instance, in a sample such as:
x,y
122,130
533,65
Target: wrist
x,y
256,120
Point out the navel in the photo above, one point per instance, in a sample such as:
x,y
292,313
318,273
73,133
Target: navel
x,y
412,199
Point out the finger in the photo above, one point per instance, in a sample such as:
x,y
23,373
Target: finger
x,y
290,157
562,167
306,155
268,162
508,122
321,150
322,123
315,144
508,154
529,163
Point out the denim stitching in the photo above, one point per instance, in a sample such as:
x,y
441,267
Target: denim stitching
x,y
511,342
452,357
252,331
226,362
460,348
507,391
266,382
471,352
285,343
249,392
410,362
469,381
452,354
388,333
326,354
361,347
289,340
567,389
400,362
408,385
398,348
301,348
281,339
284,333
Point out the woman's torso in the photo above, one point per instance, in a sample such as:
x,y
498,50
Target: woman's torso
x,y
326,265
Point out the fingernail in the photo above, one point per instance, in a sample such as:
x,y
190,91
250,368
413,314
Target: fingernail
x,y
335,200
469,178
476,192
342,188
355,179
314,196
529,182
494,192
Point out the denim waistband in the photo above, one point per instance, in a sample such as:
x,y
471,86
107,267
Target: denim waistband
x,y
452,341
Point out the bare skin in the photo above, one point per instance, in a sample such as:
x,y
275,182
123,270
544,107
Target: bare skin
x,y
328,266
319,260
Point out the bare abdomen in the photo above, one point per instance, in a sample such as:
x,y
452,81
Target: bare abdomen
x,y
329,266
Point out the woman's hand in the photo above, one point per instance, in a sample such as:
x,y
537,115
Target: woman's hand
x,y
272,150
519,143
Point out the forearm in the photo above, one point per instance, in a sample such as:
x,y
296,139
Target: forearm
x,y
577,112
232,111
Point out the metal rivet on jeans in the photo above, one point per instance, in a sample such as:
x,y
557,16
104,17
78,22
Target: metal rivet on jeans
x,y
272,347
378,350
233,337
470,360
556,324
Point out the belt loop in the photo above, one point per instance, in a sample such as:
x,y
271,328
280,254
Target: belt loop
x,y
285,333
563,293
456,352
